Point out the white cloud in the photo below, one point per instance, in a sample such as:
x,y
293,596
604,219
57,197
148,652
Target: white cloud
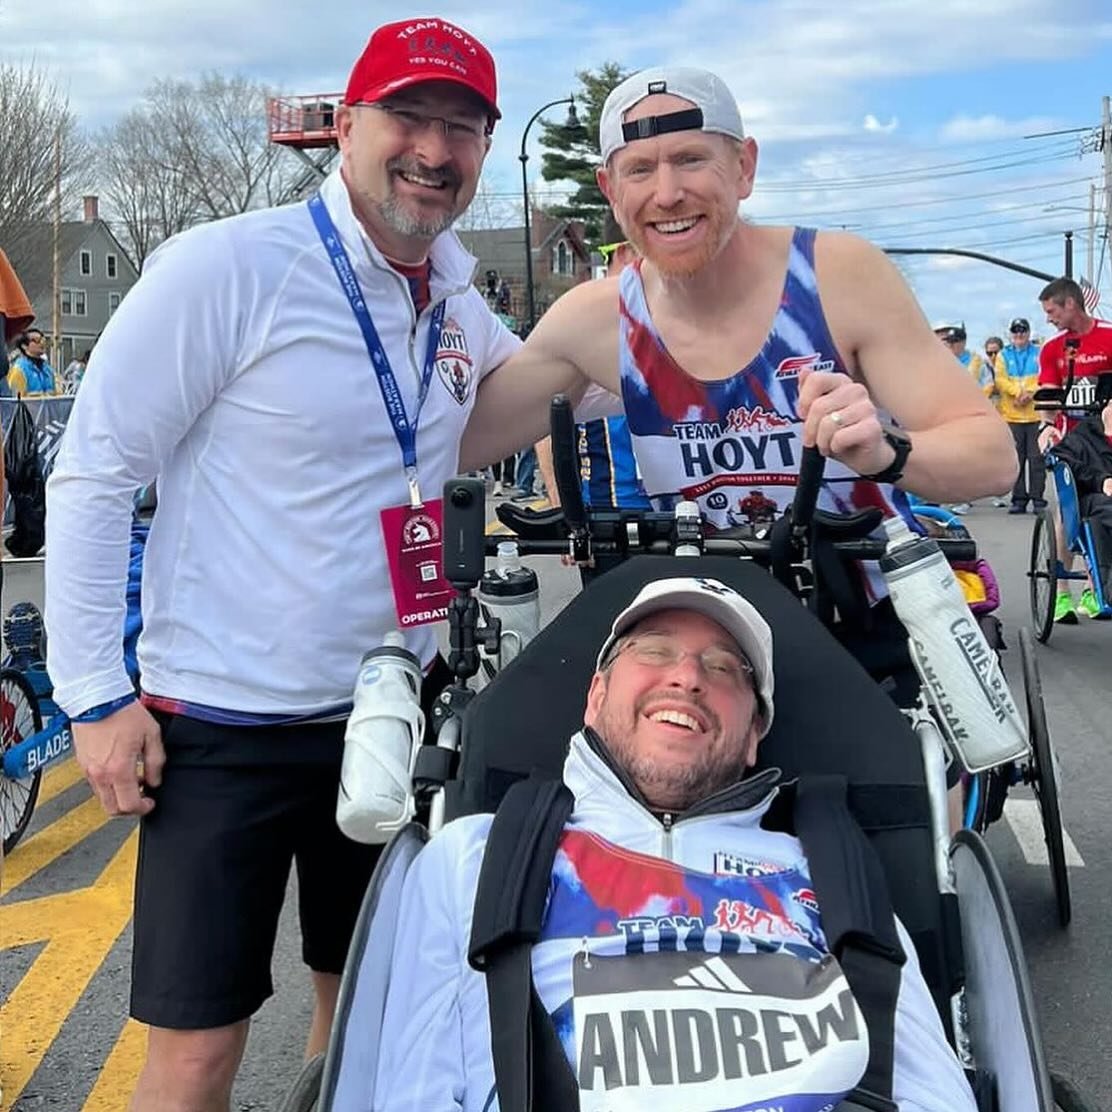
x,y
984,129
871,123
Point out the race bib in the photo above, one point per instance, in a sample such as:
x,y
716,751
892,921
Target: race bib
x,y
702,1032
412,537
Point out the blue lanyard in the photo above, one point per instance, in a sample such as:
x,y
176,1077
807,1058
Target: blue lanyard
x,y
404,429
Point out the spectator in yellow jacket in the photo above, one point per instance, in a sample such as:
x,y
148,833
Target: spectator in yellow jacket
x,y
1017,377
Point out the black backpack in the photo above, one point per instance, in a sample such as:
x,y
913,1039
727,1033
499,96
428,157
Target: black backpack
x,y
24,477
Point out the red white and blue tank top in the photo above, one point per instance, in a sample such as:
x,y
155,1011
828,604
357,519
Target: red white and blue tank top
x,y
734,445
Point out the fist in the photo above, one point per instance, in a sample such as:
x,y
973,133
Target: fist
x,y
839,418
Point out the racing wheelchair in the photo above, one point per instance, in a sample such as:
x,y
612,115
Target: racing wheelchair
x,y
1046,570
947,893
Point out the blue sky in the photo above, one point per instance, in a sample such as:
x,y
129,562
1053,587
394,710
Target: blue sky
x,y
902,120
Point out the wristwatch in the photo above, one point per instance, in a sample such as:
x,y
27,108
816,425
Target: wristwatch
x,y
900,443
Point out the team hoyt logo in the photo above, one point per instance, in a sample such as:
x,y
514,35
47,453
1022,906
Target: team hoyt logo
x,y
453,361
693,1032
751,440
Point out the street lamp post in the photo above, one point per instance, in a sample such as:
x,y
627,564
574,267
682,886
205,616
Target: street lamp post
x,y
572,121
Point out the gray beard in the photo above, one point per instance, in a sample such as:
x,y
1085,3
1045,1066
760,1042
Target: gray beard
x,y
405,223
667,786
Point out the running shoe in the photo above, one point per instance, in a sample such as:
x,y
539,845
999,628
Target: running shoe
x,y
1064,611
1088,604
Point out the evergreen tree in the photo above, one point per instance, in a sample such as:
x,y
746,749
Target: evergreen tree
x,y
572,153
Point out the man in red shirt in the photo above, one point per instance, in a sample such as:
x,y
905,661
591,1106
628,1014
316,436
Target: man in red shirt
x,y
1090,342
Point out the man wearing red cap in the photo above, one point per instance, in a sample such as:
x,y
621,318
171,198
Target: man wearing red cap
x,y
316,367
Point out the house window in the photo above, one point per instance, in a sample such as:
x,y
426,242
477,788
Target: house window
x,y
67,303
560,258
80,308
113,303
110,265
86,263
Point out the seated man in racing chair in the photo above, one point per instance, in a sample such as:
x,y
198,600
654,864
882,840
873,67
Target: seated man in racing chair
x,y
1087,448
683,962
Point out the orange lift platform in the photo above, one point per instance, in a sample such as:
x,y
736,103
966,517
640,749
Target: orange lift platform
x,y
306,125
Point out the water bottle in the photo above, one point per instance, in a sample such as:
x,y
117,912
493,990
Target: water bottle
x,y
689,529
961,673
510,592
383,735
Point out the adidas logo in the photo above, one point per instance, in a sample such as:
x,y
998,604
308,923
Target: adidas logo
x,y
713,974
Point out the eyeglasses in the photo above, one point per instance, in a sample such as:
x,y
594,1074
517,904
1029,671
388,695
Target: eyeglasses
x,y
992,351
414,124
721,667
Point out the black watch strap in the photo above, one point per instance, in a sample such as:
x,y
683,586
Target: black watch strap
x,y
901,445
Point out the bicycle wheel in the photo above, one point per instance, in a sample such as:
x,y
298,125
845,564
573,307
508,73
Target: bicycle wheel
x,y
19,719
1042,774
1043,575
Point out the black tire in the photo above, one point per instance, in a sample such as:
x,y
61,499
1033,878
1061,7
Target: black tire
x,y
1067,1097
19,719
1043,777
1043,575
305,1094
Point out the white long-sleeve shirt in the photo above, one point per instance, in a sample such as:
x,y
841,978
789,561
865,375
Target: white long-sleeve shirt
x,y
703,894
235,372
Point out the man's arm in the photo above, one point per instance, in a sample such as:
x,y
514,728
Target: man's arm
x,y
573,344
435,1033
926,1074
961,446
548,472
164,356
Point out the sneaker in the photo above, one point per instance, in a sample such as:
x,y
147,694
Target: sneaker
x,y
1000,503
1064,611
1088,604
1019,508
497,490
960,508
1039,504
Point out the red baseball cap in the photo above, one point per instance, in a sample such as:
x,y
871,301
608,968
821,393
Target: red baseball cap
x,y
414,50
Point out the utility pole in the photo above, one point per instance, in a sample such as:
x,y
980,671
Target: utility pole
x,y
56,287
1106,150
1069,254
1092,234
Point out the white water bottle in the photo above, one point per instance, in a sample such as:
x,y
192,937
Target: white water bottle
x,y
510,592
689,526
383,735
961,673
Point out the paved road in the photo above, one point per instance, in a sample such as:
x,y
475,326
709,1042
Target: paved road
x,y
65,1042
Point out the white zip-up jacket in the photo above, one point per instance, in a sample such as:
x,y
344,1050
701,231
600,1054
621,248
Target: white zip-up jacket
x,y
653,928
235,372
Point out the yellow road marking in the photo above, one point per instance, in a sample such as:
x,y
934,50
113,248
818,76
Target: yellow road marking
x,y
117,1079
48,844
79,928
59,778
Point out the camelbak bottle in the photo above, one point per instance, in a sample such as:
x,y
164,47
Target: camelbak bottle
x,y
960,672
380,746
509,592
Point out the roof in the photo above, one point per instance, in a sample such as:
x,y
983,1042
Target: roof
x,y
34,251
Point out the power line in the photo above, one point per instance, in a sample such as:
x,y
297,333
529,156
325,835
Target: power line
x,y
911,178
933,220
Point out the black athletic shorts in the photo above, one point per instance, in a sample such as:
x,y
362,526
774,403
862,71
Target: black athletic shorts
x,y
237,806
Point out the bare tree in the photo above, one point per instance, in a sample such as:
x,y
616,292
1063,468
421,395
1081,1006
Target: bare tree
x,y
190,153
35,121
147,195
